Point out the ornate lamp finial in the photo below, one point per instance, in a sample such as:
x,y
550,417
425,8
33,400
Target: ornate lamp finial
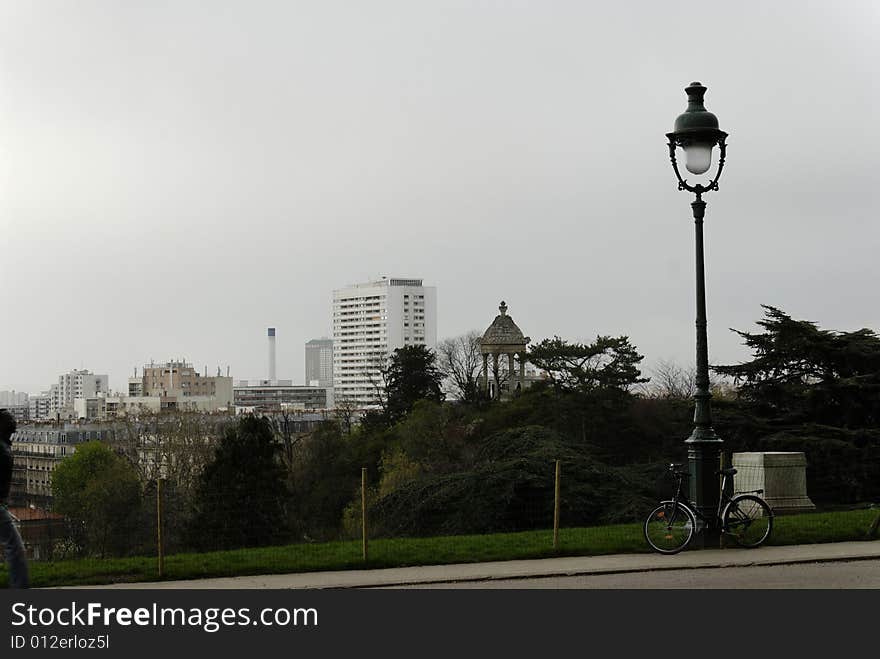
x,y
503,308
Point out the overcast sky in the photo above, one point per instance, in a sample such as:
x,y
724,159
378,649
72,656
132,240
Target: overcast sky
x,y
177,176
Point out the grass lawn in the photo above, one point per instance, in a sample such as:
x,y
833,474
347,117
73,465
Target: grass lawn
x,y
396,552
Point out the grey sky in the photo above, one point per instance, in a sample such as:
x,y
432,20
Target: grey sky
x,y
177,176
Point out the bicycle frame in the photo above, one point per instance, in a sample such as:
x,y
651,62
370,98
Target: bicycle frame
x,y
723,501
678,500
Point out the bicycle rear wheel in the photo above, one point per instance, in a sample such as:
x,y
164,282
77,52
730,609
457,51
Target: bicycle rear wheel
x,y
749,520
669,528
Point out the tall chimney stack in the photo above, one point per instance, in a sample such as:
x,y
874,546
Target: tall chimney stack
x,y
272,354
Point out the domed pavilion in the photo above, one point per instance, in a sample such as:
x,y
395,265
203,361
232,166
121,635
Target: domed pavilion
x,y
503,340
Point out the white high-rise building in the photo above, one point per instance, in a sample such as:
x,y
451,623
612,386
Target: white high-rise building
x,y
73,385
370,321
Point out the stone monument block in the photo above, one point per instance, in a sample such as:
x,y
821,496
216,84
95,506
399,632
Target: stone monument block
x,y
781,474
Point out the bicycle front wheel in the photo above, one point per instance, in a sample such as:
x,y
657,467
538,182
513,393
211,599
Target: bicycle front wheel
x,y
749,520
669,528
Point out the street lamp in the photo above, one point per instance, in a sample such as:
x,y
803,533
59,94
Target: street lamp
x,y
696,132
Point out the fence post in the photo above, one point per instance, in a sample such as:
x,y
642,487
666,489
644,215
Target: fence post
x,y
159,526
364,510
556,508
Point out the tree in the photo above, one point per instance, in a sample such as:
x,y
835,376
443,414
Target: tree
x,y
671,381
410,375
377,375
607,364
327,470
283,427
433,435
99,493
176,446
172,444
345,412
812,390
801,373
509,487
459,358
242,493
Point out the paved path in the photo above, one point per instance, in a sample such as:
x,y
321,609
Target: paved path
x,y
837,574
505,570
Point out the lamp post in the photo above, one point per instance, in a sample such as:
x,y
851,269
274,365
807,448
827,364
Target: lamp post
x,y
696,132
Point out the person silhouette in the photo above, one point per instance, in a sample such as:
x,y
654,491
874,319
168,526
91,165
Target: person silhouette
x,y
9,536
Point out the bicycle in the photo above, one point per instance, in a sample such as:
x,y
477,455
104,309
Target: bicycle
x,y
745,517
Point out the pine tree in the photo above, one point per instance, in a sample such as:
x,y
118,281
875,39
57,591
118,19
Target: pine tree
x,y
241,498
800,373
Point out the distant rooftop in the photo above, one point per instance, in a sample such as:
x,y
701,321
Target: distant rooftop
x,y
171,364
387,281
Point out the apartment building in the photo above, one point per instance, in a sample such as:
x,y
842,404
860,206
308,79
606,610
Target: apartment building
x,y
371,320
111,407
13,398
276,395
319,363
179,379
16,403
58,401
39,406
136,386
37,451
73,385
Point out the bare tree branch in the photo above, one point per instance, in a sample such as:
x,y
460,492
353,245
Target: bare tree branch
x,y
671,381
460,360
344,412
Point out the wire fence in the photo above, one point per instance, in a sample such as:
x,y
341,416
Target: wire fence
x,y
394,520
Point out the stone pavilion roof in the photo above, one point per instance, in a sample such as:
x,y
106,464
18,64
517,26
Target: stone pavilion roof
x,y
503,331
